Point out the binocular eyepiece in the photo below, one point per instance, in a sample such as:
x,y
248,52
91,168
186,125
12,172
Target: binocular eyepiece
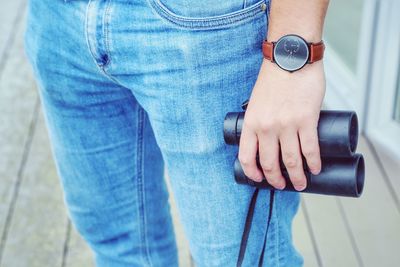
x,y
343,170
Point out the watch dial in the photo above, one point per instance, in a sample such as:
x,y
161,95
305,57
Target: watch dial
x,y
291,52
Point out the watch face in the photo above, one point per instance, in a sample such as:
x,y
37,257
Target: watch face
x,y
291,52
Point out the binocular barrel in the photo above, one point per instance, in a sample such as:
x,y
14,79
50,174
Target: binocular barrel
x,y
337,131
338,176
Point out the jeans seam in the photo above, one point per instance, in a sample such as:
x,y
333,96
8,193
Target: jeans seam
x,y
140,187
106,23
217,22
100,67
94,54
88,42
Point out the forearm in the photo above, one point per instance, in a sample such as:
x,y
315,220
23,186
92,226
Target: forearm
x,y
301,17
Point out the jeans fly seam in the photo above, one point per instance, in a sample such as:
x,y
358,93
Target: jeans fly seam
x,y
140,181
100,67
87,37
106,23
89,41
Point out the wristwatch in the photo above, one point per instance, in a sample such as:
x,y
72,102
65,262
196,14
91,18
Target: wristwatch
x,y
291,52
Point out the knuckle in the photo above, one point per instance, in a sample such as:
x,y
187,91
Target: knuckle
x,y
286,122
290,160
297,119
312,164
309,140
249,123
250,173
267,126
305,116
309,152
267,166
244,160
302,116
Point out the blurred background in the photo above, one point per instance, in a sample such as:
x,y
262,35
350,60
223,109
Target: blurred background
x,y
362,66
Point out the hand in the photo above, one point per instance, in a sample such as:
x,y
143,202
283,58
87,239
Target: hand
x,y
282,115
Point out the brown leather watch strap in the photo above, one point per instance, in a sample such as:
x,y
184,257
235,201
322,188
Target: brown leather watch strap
x,y
316,51
268,50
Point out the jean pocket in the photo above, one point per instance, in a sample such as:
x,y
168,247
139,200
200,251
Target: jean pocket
x,y
209,14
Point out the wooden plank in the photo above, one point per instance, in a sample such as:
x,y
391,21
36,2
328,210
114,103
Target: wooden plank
x,y
390,166
38,229
17,102
11,13
182,243
302,238
332,239
374,219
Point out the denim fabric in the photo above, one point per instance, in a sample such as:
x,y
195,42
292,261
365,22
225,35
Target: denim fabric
x,y
128,86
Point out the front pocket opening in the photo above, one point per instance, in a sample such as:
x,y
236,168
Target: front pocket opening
x,y
210,22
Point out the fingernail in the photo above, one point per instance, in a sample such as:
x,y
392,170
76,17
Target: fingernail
x,y
282,185
315,171
300,187
258,179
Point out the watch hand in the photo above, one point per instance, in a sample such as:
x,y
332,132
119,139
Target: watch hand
x,y
288,58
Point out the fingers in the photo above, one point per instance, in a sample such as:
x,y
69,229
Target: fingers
x,y
247,154
291,157
289,140
269,159
310,147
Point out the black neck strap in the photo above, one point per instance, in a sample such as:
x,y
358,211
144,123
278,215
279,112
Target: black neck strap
x,y
247,227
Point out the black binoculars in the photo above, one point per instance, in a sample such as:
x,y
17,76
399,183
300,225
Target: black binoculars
x,y
343,170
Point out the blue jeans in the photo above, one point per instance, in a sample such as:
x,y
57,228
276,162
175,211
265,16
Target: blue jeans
x,y
130,85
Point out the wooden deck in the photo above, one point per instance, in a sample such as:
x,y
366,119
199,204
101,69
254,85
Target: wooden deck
x,y
35,230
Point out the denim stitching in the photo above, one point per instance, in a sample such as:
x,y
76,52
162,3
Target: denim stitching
x,y
210,22
92,52
210,19
88,42
106,23
220,21
140,183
